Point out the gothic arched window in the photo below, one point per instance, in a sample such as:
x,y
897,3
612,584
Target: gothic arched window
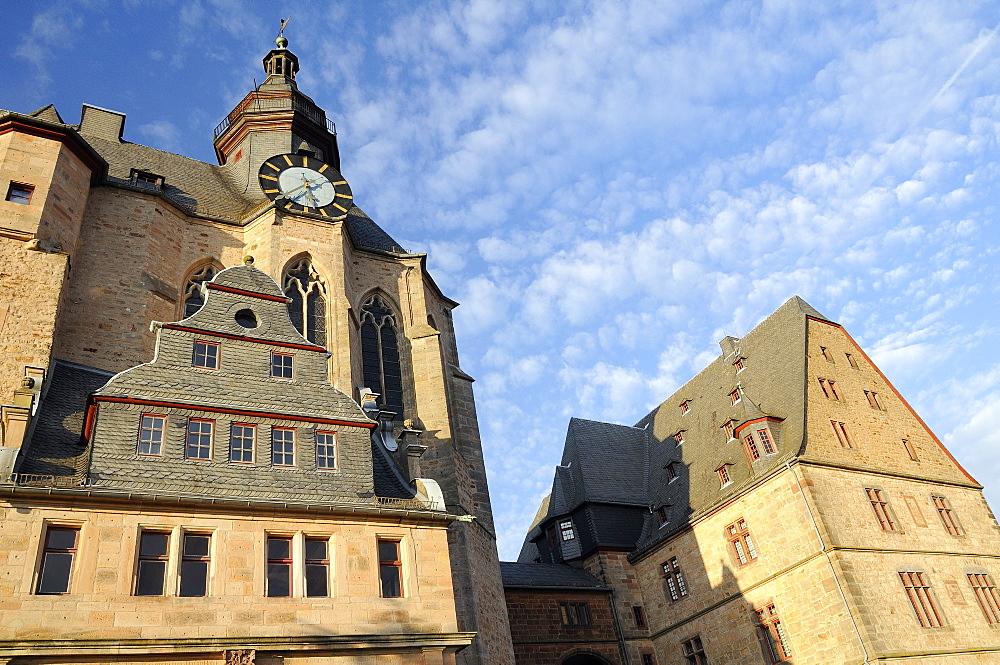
x,y
307,309
193,299
380,354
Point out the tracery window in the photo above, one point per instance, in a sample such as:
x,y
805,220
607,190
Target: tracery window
x,y
380,354
307,309
193,299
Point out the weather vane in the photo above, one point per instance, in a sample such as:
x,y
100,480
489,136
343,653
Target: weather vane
x,y
281,41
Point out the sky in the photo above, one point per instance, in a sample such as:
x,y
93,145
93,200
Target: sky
x,y
611,187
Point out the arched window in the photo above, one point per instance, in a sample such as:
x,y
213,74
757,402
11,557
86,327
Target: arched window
x,y
193,299
380,354
302,284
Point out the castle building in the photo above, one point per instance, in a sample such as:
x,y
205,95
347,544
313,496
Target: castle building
x,y
785,505
234,423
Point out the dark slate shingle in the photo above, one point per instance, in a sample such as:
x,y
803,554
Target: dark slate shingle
x,y
547,575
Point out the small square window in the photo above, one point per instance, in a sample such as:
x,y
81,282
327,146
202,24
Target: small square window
x,y
206,354
20,193
281,365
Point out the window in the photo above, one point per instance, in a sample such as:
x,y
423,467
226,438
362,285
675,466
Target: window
x,y
830,389
741,541
724,478
750,447
146,180
307,300
380,354
57,560
661,515
730,430
574,614
694,652
685,406
740,365
670,471
193,298
20,193
279,567
241,443
151,434
947,516
281,365
880,504
851,361
765,442
326,450
206,354
390,569
918,590
910,450
735,396
152,570
194,564
317,567
840,429
679,437
199,438
673,578
826,353
874,401
772,635
639,615
986,594
283,446
566,531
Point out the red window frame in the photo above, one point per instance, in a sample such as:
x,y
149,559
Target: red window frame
x,y
679,437
741,542
162,429
20,193
674,583
735,396
282,454
242,437
204,356
765,442
730,430
947,515
279,568
880,504
278,371
724,478
918,591
772,634
199,434
750,448
986,593
840,429
685,406
739,365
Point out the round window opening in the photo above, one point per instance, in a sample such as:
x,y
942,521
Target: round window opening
x,y
246,318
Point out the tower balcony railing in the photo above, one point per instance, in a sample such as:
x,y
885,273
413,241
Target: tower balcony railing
x,y
257,102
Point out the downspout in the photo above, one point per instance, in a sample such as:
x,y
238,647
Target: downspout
x,y
829,561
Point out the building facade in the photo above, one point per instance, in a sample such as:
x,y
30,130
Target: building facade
x,y
785,505
160,481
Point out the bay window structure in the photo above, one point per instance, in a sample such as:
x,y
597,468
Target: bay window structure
x,y
380,354
390,569
57,560
307,300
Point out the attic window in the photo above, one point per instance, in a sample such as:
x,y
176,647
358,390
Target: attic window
x,y
661,515
20,193
671,471
739,365
679,437
724,478
146,180
566,530
685,406
729,430
735,396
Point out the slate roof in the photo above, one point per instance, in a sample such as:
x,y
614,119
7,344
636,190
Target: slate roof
x,y
602,460
547,576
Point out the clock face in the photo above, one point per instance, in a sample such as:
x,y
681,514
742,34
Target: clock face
x,y
300,183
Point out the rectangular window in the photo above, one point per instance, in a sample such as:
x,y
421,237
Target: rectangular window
x,y
918,590
826,353
739,365
283,446
735,396
20,193
750,446
639,615
194,564
741,542
765,442
694,652
679,437
986,594
685,406
206,354
279,567
772,635
661,515
840,429
146,180
724,478
281,365
673,578
566,531
851,361
730,430
57,560
390,569
241,443
574,614
671,472
317,567
326,450
874,401
830,389
151,429
880,504
199,438
910,450
947,516
152,570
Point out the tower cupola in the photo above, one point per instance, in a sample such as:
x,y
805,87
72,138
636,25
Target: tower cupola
x,y
280,61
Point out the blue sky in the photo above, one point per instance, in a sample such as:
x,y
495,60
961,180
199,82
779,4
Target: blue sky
x,y
610,188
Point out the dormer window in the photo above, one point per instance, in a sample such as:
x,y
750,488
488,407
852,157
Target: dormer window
x,y
730,430
146,180
735,396
685,406
739,365
206,354
661,515
679,437
566,530
671,470
724,478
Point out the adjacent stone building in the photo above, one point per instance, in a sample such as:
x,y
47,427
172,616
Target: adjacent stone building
x,y
235,425
784,505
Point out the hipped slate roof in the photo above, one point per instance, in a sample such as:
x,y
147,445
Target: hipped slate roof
x,y
547,576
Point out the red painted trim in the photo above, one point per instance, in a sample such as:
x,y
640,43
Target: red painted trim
x,y
243,292
88,423
770,419
235,412
64,137
897,394
244,338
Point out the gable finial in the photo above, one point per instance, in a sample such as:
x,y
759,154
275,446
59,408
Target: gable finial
x,y
280,41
